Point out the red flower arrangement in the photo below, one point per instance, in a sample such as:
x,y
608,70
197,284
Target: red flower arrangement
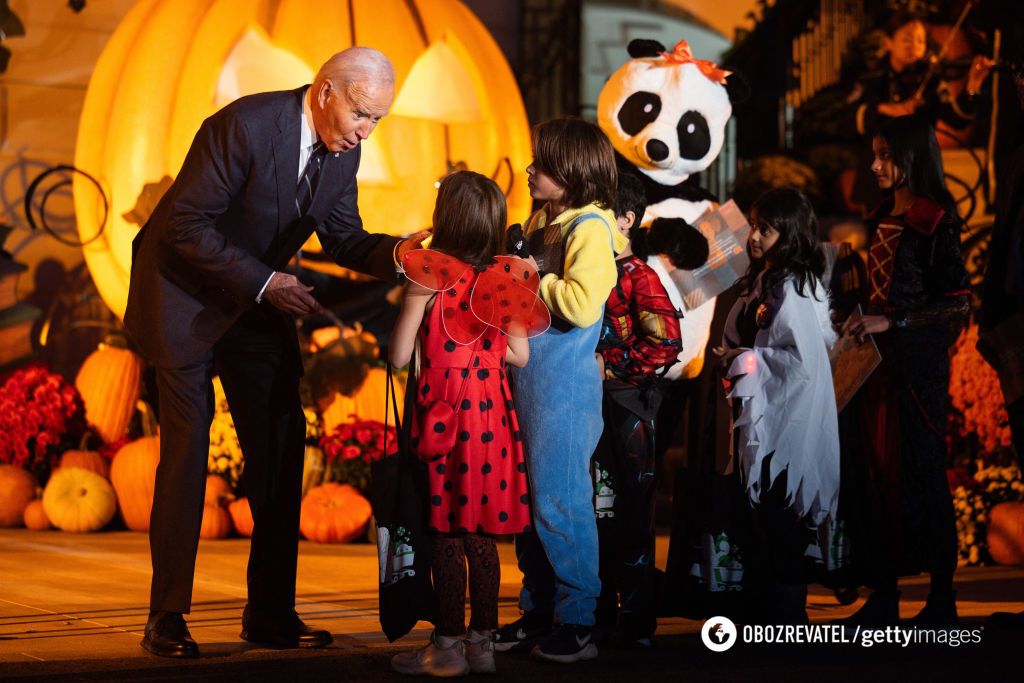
x,y
350,449
41,416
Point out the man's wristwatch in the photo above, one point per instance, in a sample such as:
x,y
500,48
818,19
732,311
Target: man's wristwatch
x,y
898,320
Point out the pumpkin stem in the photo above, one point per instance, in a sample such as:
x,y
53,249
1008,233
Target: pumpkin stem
x,y
114,339
150,427
87,438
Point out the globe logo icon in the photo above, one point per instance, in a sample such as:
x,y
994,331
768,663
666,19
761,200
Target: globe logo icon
x,y
718,634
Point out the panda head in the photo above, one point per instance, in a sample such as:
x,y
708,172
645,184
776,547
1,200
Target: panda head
x,y
666,114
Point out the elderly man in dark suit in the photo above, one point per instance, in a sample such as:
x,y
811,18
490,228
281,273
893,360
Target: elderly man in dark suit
x,y
207,296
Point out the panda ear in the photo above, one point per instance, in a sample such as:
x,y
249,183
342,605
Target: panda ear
x,y
642,47
738,88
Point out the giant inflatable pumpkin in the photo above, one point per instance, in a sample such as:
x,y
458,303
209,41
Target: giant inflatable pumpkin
x,y
172,63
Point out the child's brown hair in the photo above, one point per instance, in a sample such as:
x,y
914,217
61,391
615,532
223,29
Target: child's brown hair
x,y
469,218
578,156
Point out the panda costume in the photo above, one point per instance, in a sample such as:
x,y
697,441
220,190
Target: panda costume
x,y
666,116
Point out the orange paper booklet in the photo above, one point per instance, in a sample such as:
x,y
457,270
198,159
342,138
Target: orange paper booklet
x,y
852,364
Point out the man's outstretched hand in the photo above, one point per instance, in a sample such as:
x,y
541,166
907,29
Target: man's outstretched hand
x,y
285,292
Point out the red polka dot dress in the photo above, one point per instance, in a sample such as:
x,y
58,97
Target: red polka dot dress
x,y
480,486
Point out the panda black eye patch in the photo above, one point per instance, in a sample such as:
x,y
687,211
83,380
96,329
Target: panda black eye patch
x,y
638,110
694,136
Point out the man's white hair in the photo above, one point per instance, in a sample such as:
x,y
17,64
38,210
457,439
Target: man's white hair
x,y
356,65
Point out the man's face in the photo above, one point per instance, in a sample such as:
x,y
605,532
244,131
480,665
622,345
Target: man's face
x,y
343,119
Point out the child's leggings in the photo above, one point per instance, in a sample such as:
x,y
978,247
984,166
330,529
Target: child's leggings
x,y
450,555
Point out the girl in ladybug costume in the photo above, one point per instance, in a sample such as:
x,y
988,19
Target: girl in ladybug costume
x,y
470,311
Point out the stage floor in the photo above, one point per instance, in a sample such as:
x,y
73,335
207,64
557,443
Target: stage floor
x,y
74,607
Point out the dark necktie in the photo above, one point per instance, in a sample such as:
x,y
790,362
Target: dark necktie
x,y
310,177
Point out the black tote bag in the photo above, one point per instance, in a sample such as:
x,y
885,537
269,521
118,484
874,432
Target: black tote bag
x,y
400,499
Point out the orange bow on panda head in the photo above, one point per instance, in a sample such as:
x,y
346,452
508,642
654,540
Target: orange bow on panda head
x,y
681,54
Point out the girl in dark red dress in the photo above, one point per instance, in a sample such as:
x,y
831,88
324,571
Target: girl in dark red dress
x,y
471,312
900,513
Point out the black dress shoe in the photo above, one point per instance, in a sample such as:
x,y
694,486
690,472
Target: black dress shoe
x,y
281,630
168,636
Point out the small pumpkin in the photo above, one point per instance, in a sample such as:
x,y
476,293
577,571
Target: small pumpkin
x,y
78,500
133,475
334,513
218,490
241,517
17,490
1005,533
110,381
216,522
35,516
88,460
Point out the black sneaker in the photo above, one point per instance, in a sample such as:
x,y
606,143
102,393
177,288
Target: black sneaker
x,y
521,632
567,643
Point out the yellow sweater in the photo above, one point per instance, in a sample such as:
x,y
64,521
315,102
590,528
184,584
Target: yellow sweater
x,y
589,270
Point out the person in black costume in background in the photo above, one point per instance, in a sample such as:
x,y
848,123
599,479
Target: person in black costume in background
x,y
895,90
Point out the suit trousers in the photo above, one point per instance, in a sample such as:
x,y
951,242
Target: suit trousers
x,y
259,364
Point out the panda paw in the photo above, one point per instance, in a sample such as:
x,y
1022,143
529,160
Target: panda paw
x,y
680,241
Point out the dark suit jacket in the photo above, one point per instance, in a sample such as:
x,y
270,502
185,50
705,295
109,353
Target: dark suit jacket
x,y
229,220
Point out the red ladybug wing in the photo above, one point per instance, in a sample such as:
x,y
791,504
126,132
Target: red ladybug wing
x,y
432,269
459,323
505,296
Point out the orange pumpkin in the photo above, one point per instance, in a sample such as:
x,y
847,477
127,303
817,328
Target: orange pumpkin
x,y
367,403
133,474
78,500
334,513
218,490
241,517
354,340
17,490
35,516
88,460
1006,533
216,522
110,381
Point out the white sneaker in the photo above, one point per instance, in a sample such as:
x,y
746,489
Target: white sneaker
x,y
480,652
442,657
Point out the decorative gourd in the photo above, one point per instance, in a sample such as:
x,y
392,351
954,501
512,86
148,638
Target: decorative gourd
x,y
35,516
241,517
1006,533
78,500
110,381
367,403
334,513
133,474
216,522
218,490
17,489
159,77
88,460
312,468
